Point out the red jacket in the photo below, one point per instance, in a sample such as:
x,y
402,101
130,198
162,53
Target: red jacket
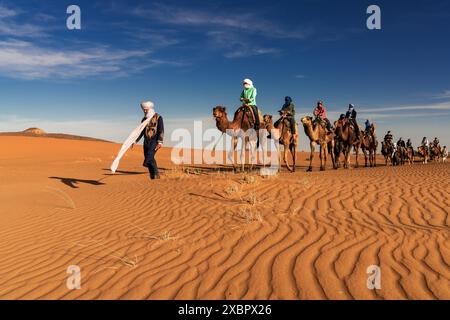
x,y
320,113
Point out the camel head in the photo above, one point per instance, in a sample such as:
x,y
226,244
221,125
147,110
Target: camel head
x,y
306,121
338,123
267,119
219,112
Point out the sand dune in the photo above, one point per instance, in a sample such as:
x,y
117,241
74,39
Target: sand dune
x,y
204,233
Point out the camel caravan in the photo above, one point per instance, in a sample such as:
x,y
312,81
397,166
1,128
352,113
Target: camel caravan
x,y
337,140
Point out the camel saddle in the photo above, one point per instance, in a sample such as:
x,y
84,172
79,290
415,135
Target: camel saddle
x,y
323,124
249,112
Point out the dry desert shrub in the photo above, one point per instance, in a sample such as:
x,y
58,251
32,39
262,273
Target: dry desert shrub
x,y
251,199
250,215
249,179
232,188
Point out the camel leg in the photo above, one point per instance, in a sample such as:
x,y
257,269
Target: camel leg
x,y
285,159
337,155
253,149
347,157
279,157
322,158
356,161
333,159
332,153
311,156
366,157
293,148
242,157
232,152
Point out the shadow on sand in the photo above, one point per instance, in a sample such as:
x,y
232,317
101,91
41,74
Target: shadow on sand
x,y
122,173
71,182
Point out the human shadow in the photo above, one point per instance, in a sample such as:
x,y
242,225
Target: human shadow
x,y
71,182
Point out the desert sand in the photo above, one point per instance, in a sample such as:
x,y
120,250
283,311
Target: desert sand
x,y
206,233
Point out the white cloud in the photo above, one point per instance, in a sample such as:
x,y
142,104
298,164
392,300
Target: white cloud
x,y
197,18
6,12
235,34
436,106
236,46
25,60
11,28
443,95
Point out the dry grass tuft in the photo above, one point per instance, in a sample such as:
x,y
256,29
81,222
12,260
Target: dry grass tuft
x,y
250,215
165,236
251,199
249,179
232,188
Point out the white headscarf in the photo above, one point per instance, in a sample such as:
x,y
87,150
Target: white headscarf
x,y
249,82
146,105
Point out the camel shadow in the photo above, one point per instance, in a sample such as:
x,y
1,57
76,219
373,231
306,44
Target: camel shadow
x,y
71,182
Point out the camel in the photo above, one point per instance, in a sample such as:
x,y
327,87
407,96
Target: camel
x,y
435,152
423,152
238,128
283,134
369,145
401,155
410,155
348,135
387,151
338,149
317,134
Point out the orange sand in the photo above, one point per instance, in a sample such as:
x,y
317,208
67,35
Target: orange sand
x,y
203,234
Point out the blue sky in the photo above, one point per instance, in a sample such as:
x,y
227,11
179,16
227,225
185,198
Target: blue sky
x,y
188,56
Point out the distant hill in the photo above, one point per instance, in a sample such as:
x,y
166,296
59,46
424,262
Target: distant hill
x,y
37,132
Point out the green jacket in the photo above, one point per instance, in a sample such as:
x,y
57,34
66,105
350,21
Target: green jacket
x,y
250,94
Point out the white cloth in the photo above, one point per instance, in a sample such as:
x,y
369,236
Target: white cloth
x,y
249,82
132,139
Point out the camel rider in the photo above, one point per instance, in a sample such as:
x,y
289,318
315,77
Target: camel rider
x,y
153,138
401,143
320,112
350,116
368,125
436,142
426,143
289,109
394,149
409,143
388,138
248,98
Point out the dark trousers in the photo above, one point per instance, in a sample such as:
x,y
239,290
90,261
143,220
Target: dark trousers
x,y
256,113
150,162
